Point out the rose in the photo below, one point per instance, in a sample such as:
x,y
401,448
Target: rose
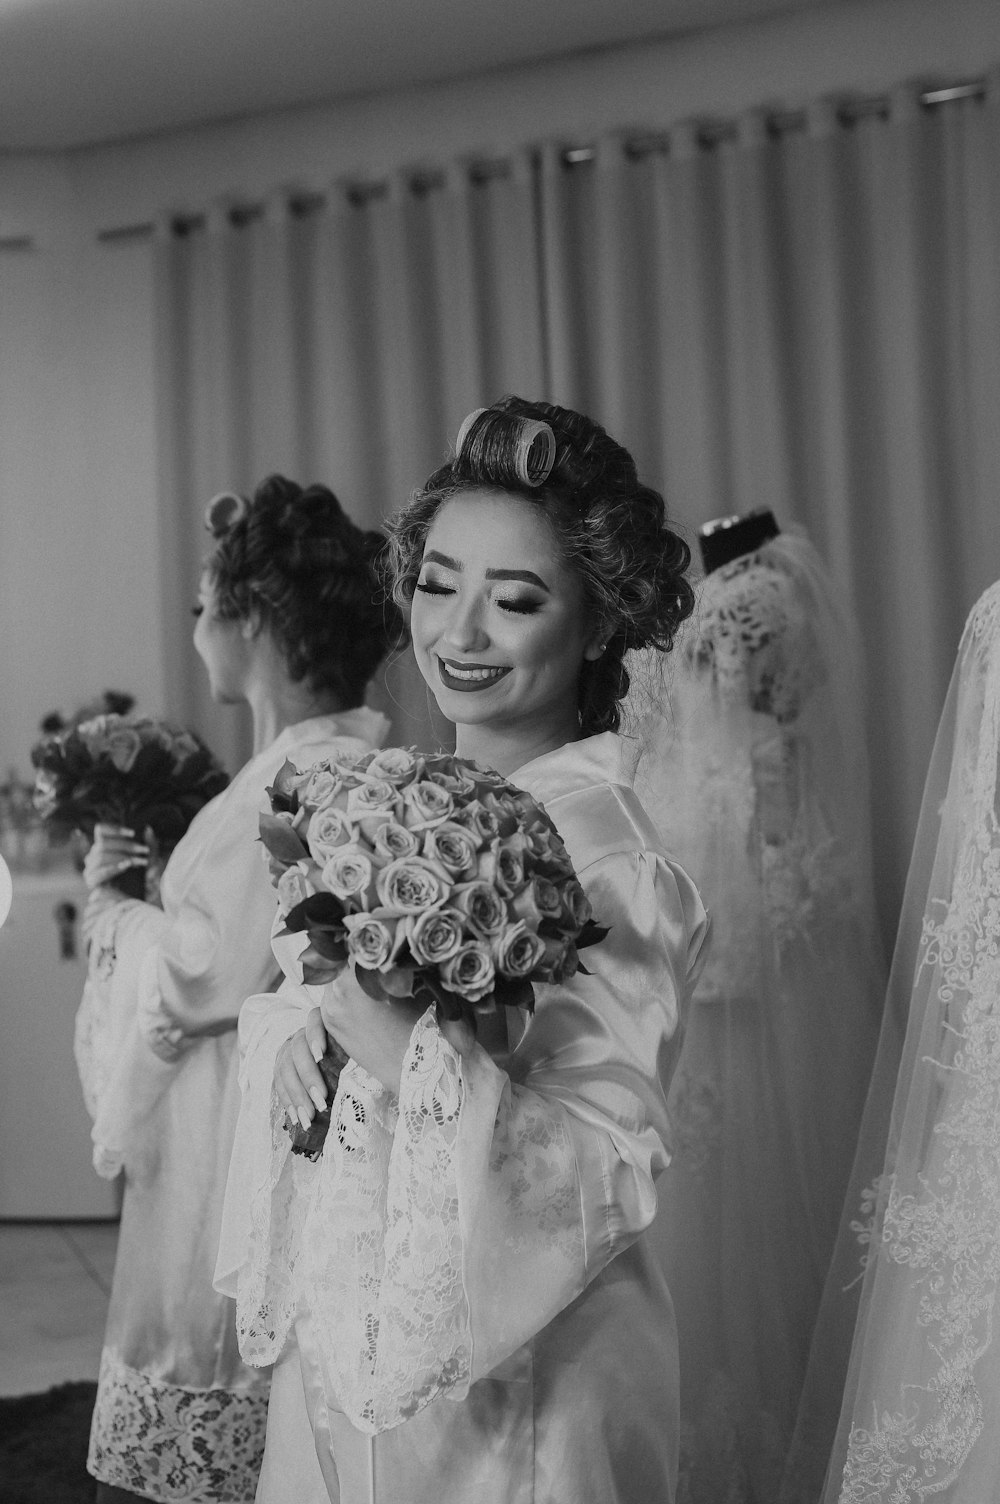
x,y
393,841
517,952
371,804
470,971
506,811
329,829
45,796
576,907
453,846
425,804
93,733
450,775
434,936
370,942
560,960
486,864
393,765
510,868
373,794
546,847
482,906
321,788
477,818
294,886
411,885
184,745
348,875
538,900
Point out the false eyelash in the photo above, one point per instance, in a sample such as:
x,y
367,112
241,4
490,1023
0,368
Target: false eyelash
x,y
519,608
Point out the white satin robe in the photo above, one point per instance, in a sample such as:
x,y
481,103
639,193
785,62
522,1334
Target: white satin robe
x,y
179,1416
457,1291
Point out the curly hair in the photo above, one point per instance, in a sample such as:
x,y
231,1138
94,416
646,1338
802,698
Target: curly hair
x,y
292,556
611,530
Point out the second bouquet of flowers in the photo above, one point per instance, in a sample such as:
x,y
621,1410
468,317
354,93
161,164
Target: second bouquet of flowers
x,y
435,879
129,770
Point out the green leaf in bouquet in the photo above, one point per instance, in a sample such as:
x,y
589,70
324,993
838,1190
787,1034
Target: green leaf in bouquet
x,y
370,983
281,840
320,911
283,797
514,992
330,944
430,990
317,975
591,934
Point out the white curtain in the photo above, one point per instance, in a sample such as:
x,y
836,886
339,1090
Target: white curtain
x,y
807,319
341,343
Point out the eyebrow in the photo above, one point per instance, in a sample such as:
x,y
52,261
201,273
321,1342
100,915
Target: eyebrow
x,y
433,557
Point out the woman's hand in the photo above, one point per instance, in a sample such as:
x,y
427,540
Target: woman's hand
x,y
297,1079
376,1033
113,851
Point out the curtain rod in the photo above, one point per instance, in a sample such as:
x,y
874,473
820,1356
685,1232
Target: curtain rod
x,y
709,133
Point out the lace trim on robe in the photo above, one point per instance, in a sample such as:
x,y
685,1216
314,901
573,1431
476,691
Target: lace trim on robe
x,y
193,1446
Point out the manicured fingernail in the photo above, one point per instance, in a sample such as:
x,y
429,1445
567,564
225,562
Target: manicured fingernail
x,y
124,866
318,1098
305,1118
317,1052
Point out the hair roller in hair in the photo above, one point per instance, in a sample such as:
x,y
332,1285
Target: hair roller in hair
x,y
463,432
503,447
224,511
536,452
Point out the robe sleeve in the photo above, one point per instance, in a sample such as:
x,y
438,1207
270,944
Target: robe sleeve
x,y
121,1079
445,1230
214,952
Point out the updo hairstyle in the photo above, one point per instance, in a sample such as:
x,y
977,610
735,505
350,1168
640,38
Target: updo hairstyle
x,y
295,560
612,531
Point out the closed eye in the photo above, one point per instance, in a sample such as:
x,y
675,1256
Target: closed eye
x,y
520,607
433,587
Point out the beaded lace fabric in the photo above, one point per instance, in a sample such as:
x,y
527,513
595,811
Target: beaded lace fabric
x,y
919,1414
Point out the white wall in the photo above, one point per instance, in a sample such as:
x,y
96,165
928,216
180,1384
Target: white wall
x,y
79,605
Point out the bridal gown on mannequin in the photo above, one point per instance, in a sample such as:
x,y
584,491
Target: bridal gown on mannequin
x,y
756,774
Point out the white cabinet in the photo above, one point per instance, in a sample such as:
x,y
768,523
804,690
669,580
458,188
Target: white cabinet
x,y
45,1148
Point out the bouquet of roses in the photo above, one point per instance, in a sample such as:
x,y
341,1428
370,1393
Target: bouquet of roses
x,y
436,880
126,770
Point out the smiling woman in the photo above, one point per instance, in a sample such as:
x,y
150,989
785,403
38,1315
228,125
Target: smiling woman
x,y
486,625
529,585
458,1294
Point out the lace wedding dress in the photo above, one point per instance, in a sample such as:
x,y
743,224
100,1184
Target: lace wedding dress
x,y
179,1416
457,1292
754,770
919,1419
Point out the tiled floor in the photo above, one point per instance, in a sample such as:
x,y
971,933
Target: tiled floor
x,y
54,1285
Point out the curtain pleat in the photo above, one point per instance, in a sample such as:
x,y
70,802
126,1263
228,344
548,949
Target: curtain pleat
x,y
343,345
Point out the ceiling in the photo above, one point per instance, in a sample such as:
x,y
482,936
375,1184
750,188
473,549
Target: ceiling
x,y
79,72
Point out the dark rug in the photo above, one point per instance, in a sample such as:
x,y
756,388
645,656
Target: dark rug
x,y
43,1446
